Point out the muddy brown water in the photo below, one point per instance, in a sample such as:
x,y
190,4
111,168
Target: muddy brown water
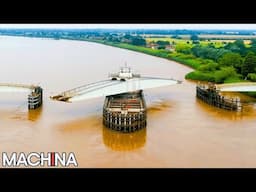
x,y
181,132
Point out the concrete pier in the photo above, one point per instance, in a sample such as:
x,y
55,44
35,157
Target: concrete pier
x,y
125,112
35,98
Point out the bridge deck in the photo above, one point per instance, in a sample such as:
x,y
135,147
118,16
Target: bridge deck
x,y
17,85
237,87
112,87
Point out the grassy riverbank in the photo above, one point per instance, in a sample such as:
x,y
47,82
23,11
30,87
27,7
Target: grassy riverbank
x,y
224,75
187,60
204,69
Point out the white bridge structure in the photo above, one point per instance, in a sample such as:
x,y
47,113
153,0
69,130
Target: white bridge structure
x,y
237,87
123,82
35,93
8,87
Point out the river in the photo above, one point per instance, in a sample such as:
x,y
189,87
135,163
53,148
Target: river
x,y
181,130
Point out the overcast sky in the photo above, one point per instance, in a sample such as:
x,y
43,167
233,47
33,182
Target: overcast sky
x,y
135,26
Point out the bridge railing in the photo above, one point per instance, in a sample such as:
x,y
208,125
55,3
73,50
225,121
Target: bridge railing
x,y
80,88
146,77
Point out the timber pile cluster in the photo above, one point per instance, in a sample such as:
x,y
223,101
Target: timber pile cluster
x,y
210,95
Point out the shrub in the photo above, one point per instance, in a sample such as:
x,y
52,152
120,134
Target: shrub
x,y
224,73
208,67
197,75
252,77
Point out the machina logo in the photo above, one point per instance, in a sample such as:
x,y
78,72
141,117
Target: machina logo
x,y
33,159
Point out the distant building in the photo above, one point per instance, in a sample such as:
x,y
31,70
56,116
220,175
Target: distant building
x,y
169,48
152,45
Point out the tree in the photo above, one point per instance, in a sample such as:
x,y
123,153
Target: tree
x,y
238,47
176,37
253,45
209,67
194,37
163,43
138,41
240,43
249,65
208,52
252,77
232,59
183,48
224,73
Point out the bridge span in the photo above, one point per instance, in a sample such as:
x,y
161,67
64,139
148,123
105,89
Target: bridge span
x,y
123,82
124,107
237,87
112,87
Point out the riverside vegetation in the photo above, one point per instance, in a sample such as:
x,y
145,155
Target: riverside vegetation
x,y
214,58
213,61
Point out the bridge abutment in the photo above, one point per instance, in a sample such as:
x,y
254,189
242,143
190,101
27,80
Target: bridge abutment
x,y
211,96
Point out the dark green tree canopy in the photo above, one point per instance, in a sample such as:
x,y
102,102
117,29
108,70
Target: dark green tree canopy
x,y
163,43
249,65
194,37
237,47
253,45
232,59
138,41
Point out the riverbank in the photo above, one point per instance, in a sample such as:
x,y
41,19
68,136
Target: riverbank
x,y
204,69
188,60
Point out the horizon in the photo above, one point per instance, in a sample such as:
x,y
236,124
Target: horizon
x,y
241,27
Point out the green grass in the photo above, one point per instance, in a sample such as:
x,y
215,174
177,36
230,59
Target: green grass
x,y
186,59
216,43
214,76
171,40
200,76
234,80
158,53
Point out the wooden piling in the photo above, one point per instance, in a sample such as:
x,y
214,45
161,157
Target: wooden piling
x,y
211,96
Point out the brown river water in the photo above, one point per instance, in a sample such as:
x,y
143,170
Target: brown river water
x,y
181,130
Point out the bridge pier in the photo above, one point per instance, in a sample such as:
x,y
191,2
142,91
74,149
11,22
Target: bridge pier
x,y
35,98
125,112
210,95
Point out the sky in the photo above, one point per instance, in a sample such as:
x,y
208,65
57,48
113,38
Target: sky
x,y
134,26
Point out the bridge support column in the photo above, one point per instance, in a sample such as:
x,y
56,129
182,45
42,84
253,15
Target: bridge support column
x,y
35,99
125,112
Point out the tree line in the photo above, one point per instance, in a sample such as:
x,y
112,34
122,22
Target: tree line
x,y
233,59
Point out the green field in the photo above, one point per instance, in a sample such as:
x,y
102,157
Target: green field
x,y
167,39
216,42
